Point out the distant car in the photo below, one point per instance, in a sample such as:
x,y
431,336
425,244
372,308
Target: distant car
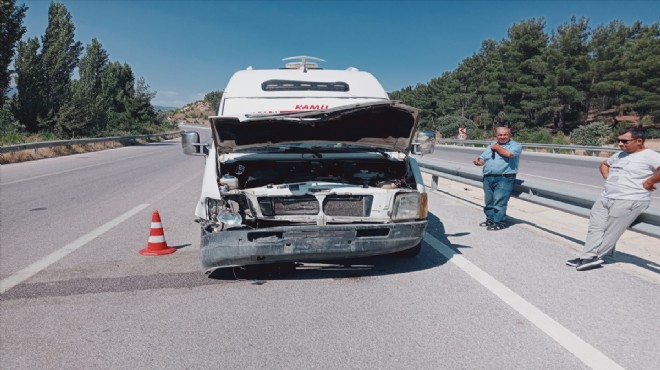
x,y
424,143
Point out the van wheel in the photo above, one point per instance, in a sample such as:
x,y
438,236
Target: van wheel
x,y
410,252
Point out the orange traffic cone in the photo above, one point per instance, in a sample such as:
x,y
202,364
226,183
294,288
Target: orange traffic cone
x,y
156,245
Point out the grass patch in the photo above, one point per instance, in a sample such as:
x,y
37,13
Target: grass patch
x,y
58,151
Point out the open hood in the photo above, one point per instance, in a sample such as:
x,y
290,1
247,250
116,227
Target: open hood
x,y
383,125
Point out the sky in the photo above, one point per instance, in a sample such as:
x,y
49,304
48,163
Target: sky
x,y
186,49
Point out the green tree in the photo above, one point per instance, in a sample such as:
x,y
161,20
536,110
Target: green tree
x,y
86,94
73,118
530,81
11,31
467,75
569,80
607,47
213,99
489,91
90,69
593,134
118,90
522,85
29,101
642,72
8,123
418,98
141,109
448,126
59,57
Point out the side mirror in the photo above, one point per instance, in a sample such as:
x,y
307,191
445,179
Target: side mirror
x,y
190,144
416,149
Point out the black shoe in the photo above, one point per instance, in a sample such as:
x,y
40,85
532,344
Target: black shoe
x,y
486,223
496,226
574,262
589,264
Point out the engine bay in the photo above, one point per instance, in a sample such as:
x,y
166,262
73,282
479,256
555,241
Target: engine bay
x,y
382,173
267,193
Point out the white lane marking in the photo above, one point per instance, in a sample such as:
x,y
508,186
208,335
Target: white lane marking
x,y
31,270
589,355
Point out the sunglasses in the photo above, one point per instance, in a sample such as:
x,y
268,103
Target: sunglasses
x,y
625,141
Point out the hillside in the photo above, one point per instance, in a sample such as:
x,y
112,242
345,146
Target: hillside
x,y
197,112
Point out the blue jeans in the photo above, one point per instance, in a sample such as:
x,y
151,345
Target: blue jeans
x,y
497,191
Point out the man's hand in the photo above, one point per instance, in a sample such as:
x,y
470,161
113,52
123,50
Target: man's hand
x,y
478,162
649,185
495,147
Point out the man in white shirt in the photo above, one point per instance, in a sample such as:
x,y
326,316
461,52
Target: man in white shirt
x,y
630,177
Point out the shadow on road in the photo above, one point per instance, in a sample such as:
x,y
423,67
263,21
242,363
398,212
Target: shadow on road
x,y
362,268
621,257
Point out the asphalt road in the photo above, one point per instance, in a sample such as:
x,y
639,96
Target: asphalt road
x,y
75,292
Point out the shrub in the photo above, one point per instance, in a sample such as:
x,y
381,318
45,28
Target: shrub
x,y
561,139
653,133
593,134
448,127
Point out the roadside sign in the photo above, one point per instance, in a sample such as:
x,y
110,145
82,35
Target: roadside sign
x,y
462,131
462,136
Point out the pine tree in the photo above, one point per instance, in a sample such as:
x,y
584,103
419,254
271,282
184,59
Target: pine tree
x,y
491,74
642,70
570,77
607,48
522,84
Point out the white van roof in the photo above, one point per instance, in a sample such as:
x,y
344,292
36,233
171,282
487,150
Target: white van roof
x,y
300,86
249,83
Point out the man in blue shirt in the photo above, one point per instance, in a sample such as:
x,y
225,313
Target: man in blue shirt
x,y
500,161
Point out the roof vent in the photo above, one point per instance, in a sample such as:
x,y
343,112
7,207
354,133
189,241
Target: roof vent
x,y
352,69
302,62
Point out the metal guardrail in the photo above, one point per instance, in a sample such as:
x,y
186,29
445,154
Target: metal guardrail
x,y
594,150
563,199
55,143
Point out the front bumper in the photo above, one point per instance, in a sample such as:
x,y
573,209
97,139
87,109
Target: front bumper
x,y
306,243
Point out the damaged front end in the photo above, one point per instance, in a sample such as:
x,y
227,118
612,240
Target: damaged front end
x,y
312,194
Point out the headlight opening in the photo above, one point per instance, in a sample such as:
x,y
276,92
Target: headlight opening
x,y
408,206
